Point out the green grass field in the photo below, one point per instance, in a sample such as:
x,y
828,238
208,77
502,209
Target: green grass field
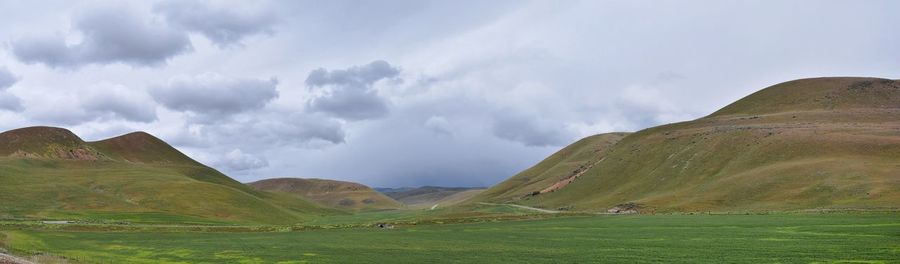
x,y
777,238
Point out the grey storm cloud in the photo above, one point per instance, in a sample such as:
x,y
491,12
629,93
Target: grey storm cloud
x,y
215,95
241,142
8,101
7,79
530,131
222,26
439,125
308,127
109,35
277,127
348,94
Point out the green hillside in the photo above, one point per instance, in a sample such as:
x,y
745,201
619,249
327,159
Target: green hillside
x,y
335,194
823,143
564,164
430,196
51,173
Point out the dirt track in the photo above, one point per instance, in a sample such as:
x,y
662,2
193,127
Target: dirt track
x,y
527,208
7,259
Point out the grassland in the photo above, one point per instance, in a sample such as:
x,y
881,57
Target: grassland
x,y
778,238
106,190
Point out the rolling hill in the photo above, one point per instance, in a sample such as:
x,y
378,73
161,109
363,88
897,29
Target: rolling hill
x,y
49,172
336,194
555,170
821,143
430,196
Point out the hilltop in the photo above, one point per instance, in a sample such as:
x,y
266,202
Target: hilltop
x,y
336,194
46,142
50,172
822,143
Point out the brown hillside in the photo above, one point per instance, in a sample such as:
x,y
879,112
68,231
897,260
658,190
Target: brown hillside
x,y
819,94
561,168
46,142
141,147
336,194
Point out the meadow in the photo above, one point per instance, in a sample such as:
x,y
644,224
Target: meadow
x,y
769,238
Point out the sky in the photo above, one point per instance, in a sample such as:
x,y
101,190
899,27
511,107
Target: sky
x,y
411,93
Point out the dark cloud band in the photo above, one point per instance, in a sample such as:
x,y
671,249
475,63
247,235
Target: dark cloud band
x,y
223,26
214,95
109,35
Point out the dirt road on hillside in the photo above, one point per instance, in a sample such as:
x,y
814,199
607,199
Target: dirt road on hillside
x,y
527,208
7,259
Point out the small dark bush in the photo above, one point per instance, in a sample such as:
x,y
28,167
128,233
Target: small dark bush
x,y
346,202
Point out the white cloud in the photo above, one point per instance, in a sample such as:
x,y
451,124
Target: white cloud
x,y
98,102
237,160
117,101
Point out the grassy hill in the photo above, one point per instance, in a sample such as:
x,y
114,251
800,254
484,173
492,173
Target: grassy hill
x,y
562,165
51,173
810,143
336,194
429,196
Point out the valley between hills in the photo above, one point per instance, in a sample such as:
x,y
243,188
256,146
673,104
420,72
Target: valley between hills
x,y
806,171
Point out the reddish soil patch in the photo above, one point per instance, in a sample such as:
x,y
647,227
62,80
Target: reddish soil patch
x,y
562,183
7,259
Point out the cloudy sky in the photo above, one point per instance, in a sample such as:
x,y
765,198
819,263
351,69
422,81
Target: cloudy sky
x,y
408,93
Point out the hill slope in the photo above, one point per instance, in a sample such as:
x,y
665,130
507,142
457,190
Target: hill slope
x,y
429,196
51,173
556,170
336,194
810,143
